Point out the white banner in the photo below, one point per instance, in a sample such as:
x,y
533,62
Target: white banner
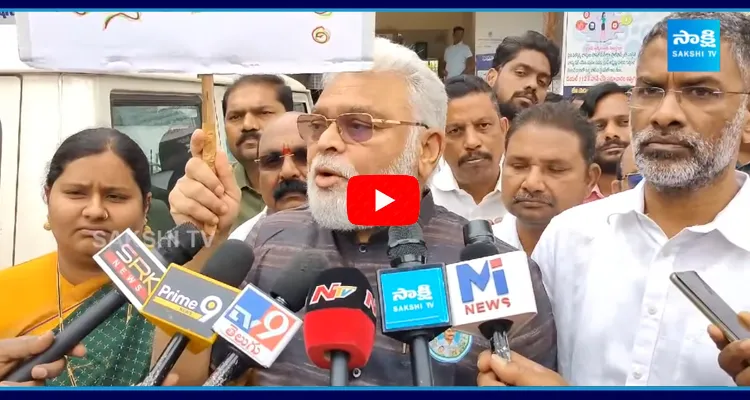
x,y
603,46
7,18
197,42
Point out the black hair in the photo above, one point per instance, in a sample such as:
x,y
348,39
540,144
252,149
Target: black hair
x,y
564,116
531,40
553,98
284,92
464,85
458,29
596,93
90,142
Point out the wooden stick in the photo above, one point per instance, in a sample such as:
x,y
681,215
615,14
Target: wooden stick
x,y
208,112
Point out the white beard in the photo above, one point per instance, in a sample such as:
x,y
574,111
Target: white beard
x,y
691,173
328,206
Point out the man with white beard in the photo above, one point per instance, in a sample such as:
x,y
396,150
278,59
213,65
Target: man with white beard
x,y
389,120
607,264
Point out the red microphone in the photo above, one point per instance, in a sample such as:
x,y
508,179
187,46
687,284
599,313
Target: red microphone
x,y
340,294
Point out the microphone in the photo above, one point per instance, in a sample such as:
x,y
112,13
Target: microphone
x,y
134,270
478,230
413,298
480,298
186,304
339,328
256,328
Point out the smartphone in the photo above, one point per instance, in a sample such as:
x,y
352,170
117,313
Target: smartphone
x,y
710,304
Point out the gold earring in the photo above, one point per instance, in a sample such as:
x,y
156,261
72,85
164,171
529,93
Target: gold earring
x,y
146,228
47,226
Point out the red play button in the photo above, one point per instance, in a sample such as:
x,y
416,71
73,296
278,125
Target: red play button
x,y
383,200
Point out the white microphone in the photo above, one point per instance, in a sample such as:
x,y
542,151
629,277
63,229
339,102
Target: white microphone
x,y
487,294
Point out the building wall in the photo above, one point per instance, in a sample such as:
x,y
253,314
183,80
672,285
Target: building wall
x,y
492,27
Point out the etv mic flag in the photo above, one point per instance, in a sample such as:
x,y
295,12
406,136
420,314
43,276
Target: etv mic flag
x,y
131,266
257,325
489,288
187,302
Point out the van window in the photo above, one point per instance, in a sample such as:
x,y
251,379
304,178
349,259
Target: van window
x,y
161,124
301,107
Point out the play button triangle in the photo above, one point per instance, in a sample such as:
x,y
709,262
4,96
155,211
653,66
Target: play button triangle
x,y
381,200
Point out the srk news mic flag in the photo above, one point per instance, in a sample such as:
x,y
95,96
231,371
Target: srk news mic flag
x,y
490,288
197,42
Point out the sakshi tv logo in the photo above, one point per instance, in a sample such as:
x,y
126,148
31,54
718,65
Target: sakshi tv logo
x,y
693,45
482,285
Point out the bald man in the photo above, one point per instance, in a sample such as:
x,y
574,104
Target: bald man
x,y
282,166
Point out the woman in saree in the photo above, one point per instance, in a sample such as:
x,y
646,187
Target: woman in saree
x,y
97,186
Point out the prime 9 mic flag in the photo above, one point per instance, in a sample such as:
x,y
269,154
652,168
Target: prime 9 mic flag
x,y
187,302
257,326
131,266
413,298
490,288
197,42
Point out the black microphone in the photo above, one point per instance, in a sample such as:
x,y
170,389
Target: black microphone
x,y
229,265
496,331
179,245
478,230
413,285
290,291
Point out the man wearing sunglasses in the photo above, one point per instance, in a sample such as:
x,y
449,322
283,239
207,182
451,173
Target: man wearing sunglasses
x,y
282,170
389,120
627,175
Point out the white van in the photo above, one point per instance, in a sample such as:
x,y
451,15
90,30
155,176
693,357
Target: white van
x,y
38,109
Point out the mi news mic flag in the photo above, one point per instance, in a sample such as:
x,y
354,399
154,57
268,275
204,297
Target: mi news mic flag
x,y
413,298
340,317
257,325
490,288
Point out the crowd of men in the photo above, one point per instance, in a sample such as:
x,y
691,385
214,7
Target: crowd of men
x,y
655,162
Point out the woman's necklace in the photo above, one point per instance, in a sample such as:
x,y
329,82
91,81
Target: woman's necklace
x,y
68,367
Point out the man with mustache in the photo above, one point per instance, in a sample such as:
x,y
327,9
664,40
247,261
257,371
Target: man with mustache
x,y
282,165
607,263
389,120
606,105
474,135
522,70
548,168
627,173
249,104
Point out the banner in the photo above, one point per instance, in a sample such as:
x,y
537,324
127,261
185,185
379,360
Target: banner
x,y
603,46
7,18
197,42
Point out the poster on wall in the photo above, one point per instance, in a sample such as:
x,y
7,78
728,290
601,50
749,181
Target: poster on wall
x,y
603,46
7,18
485,52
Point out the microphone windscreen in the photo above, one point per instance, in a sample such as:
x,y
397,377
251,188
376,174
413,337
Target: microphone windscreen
x,y
231,263
298,278
478,250
180,244
477,229
403,240
340,316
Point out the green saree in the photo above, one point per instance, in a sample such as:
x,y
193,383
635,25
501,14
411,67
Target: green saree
x,y
118,352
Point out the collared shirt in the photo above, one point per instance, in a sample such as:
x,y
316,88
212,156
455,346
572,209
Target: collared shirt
x,y
446,193
595,195
251,202
455,59
241,232
507,232
619,319
280,236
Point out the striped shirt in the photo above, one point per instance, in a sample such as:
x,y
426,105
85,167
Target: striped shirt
x,y
278,237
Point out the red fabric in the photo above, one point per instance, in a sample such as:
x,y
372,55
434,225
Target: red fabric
x,y
345,329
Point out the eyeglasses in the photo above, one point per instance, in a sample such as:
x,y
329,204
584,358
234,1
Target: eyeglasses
x,y
353,127
275,160
633,179
698,96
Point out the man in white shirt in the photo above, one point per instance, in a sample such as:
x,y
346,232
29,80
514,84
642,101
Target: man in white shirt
x,y
607,264
457,59
469,183
548,168
282,166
